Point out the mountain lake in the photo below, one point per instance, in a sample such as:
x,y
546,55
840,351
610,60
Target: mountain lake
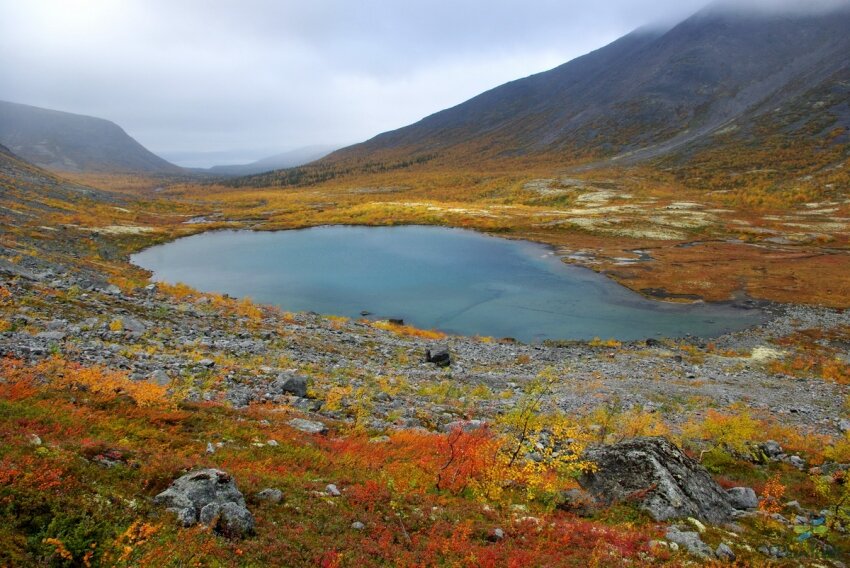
x,y
453,280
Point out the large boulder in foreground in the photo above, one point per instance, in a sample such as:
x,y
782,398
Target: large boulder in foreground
x,y
659,477
211,497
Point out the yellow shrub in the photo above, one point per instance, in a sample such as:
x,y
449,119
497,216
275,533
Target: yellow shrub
x,y
409,331
733,430
99,382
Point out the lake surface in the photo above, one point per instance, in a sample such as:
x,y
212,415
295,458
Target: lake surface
x,y
453,280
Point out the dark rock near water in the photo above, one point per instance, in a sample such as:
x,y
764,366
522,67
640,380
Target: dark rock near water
x,y
439,355
659,477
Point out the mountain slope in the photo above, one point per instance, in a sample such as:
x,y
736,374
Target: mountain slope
x,y
71,142
27,192
646,95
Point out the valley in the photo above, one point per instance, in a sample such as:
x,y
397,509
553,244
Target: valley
x,y
168,418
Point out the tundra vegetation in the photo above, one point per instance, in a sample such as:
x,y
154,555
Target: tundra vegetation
x,y
465,471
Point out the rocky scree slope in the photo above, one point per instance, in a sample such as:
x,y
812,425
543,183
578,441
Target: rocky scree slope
x,y
649,94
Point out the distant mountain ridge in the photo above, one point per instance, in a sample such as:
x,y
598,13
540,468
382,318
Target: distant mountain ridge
x,y
63,141
289,159
650,94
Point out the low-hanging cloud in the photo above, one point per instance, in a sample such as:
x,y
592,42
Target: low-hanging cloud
x,y
226,81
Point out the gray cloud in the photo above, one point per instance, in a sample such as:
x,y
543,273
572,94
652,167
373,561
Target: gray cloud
x,y
218,81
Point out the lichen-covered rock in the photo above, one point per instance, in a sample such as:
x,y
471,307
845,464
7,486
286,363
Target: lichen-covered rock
x,y
659,477
230,520
211,497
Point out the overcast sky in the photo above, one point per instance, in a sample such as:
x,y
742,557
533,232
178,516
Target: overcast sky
x,y
205,82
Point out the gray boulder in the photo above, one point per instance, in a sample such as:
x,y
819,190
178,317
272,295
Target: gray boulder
x,y
239,396
658,477
271,495
691,541
230,520
132,325
308,426
160,377
51,335
211,497
288,383
771,449
465,425
743,498
725,552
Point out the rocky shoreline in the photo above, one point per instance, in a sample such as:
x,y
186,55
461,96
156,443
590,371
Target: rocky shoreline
x,y
202,355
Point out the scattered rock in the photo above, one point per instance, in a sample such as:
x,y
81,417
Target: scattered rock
x,y
210,448
465,425
743,498
208,363
288,383
308,426
211,497
160,377
697,525
797,462
271,495
690,540
51,335
332,490
659,477
132,325
112,290
358,526
228,519
439,355
240,396
771,449
496,535
724,552
578,502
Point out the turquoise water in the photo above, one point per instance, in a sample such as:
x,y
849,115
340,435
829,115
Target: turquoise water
x,y
449,279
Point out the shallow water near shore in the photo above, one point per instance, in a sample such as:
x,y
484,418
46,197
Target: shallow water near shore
x,y
453,280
